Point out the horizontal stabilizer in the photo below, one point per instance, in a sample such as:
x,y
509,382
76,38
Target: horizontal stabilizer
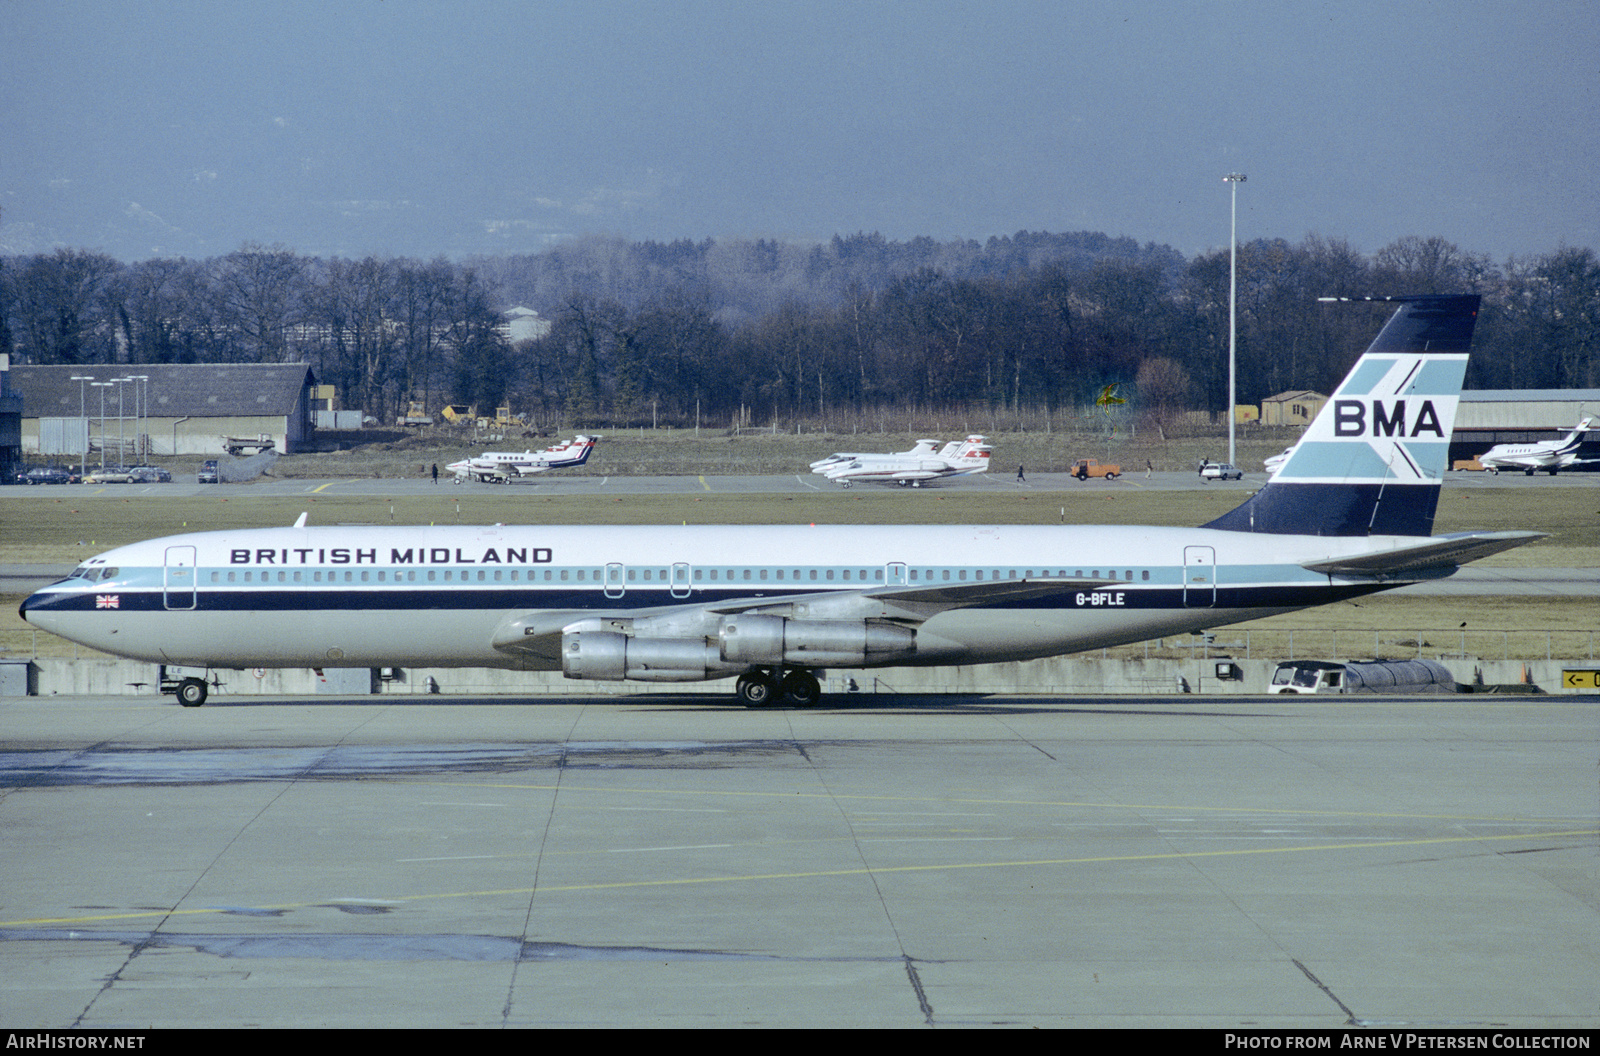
x,y
1446,551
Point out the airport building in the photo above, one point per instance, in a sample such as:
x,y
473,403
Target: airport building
x,y
10,423
1296,407
132,411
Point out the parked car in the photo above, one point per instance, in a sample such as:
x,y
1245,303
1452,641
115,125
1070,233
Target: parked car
x,y
208,472
150,475
110,475
45,475
1220,471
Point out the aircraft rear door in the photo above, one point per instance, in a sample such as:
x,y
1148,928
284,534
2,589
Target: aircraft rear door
x,y
177,578
1199,577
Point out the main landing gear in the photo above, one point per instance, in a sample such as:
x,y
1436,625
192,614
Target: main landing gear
x,y
768,687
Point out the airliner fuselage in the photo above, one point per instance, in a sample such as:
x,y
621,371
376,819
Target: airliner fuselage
x,y
441,596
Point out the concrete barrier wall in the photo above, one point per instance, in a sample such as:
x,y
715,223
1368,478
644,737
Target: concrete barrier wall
x,y
1051,677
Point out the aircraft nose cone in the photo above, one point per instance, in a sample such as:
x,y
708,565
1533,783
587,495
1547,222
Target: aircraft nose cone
x,y
33,603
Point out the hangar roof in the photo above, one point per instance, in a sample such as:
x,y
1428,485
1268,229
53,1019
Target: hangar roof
x,y
1530,396
175,390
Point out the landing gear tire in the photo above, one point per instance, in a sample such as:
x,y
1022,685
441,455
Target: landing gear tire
x,y
757,689
800,689
192,692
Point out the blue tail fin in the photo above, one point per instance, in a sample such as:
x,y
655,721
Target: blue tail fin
x,y
1373,460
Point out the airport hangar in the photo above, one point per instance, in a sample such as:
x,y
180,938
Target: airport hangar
x,y
166,409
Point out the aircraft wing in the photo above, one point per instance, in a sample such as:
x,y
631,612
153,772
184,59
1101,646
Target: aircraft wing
x,y
537,634
1442,552
967,595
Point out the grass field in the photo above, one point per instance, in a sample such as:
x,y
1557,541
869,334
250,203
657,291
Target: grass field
x,y
680,452
41,530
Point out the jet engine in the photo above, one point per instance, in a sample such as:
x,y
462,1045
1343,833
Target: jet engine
x,y
737,644
761,639
613,655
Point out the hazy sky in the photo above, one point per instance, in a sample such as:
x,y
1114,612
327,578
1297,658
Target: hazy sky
x,y
188,127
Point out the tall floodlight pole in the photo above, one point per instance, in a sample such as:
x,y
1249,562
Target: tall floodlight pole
x,y
1234,179
83,420
141,403
122,445
102,386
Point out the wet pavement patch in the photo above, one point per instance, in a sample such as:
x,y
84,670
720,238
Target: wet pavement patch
x,y
331,947
111,765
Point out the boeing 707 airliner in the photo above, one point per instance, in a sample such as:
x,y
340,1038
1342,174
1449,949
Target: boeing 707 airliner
x,y
1350,513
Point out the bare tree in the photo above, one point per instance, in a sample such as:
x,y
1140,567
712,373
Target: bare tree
x,y
261,290
1165,391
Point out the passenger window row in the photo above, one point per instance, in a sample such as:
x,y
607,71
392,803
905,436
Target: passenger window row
x,y
634,575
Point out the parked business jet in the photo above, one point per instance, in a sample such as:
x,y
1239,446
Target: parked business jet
x,y
1548,455
909,468
498,467
1350,513
922,449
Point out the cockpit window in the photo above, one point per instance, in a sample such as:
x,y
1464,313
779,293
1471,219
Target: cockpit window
x,y
109,573
81,572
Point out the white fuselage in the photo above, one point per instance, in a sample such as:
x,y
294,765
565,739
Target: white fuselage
x,y
461,596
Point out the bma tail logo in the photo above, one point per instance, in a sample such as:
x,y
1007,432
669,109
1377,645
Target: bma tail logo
x,y
1359,419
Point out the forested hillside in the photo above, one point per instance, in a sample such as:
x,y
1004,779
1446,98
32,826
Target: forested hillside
x,y
763,332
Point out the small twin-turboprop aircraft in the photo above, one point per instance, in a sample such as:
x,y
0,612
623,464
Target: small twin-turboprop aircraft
x,y
498,467
908,468
1550,456
1350,513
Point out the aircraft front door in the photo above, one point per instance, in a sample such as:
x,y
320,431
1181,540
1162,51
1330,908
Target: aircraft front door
x,y
1199,577
177,578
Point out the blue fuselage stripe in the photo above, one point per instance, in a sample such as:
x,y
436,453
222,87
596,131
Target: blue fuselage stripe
x,y
1266,596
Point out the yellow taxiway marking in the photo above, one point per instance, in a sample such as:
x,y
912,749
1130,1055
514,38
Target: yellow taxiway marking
x,y
703,483
1023,863
329,484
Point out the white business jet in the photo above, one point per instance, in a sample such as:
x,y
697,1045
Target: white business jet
x,y
1550,456
909,468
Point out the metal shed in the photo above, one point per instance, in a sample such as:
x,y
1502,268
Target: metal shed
x,y
167,408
